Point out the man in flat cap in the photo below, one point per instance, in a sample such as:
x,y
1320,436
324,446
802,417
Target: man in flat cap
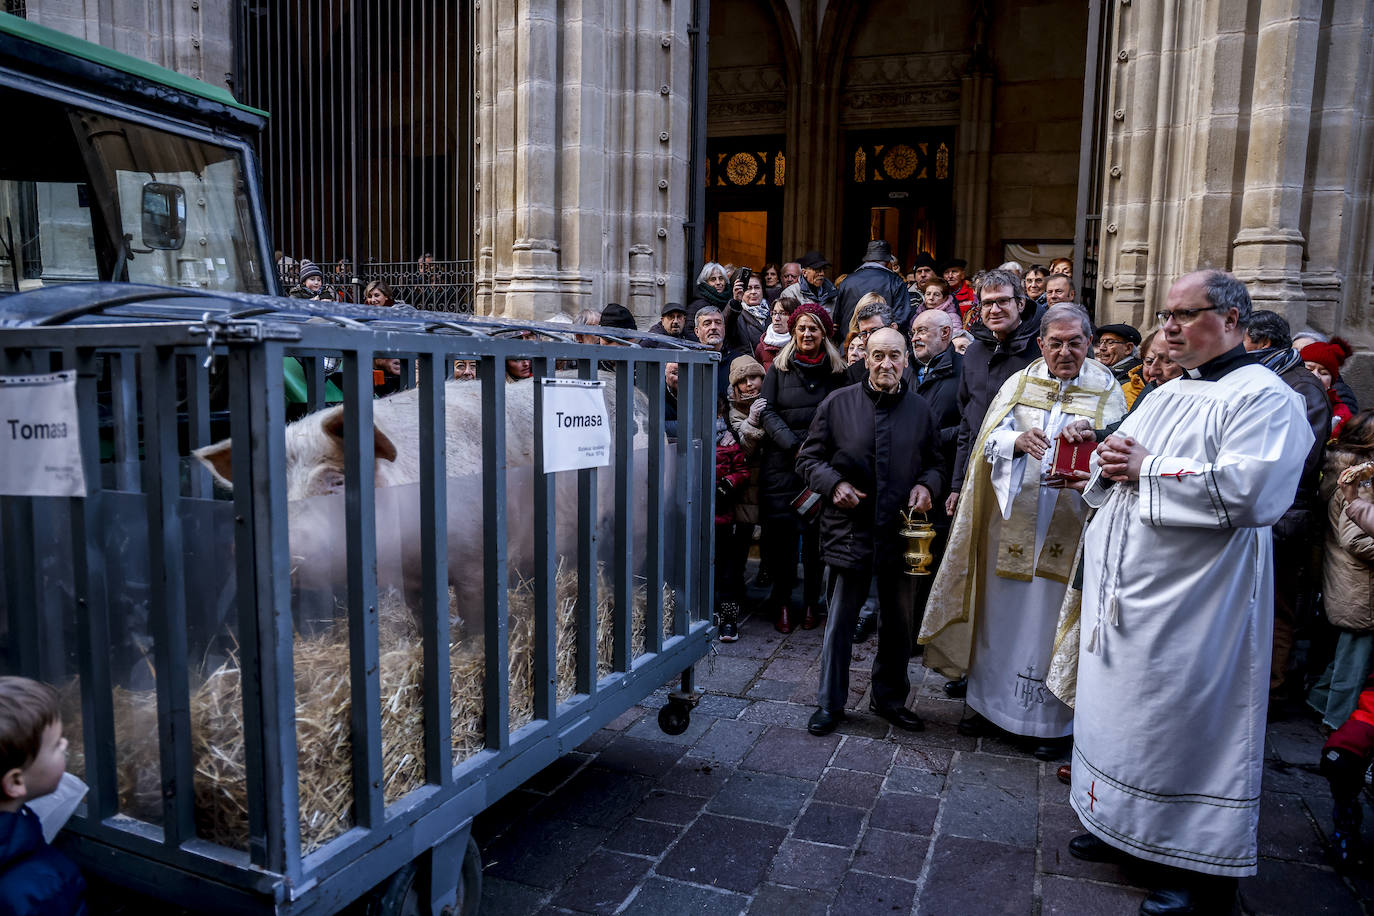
x,y
872,276
813,285
1115,349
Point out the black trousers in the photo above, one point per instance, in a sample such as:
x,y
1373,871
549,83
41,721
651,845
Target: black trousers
x,y
849,590
732,553
780,537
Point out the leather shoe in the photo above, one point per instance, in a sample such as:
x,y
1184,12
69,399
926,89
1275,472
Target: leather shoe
x,y
974,725
1065,774
864,628
1053,748
783,623
824,721
1089,848
810,617
957,690
899,716
1198,896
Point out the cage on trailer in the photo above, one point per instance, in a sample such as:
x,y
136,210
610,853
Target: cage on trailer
x,y
299,688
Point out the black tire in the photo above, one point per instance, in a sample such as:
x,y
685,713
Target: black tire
x,y
674,718
400,894
470,885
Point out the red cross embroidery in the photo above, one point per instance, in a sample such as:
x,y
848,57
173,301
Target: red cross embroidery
x,y
1180,474
1092,799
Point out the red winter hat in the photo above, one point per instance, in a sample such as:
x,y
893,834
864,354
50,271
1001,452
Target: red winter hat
x,y
1331,355
815,311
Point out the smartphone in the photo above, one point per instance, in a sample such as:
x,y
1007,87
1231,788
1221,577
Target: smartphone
x,y
744,275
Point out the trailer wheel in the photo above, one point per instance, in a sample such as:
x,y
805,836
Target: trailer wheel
x,y
674,717
400,894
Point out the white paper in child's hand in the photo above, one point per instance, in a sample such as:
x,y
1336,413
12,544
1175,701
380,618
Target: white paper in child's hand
x,y
57,807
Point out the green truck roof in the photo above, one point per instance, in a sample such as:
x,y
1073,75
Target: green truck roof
x,y
67,44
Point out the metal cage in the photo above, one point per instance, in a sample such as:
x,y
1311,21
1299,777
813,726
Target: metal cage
x,y
140,587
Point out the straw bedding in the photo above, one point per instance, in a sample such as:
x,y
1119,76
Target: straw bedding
x,y
323,705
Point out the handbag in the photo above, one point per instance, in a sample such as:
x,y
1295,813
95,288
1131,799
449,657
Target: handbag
x,y
807,504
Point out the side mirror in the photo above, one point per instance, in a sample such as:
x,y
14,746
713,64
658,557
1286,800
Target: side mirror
x,y
164,216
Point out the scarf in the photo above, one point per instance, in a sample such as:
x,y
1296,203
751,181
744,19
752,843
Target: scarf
x,y
718,299
805,360
774,338
761,312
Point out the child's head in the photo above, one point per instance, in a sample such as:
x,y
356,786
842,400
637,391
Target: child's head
x,y
33,753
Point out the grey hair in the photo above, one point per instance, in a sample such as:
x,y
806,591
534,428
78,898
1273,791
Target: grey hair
x,y
1313,333
872,305
1066,311
708,311
961,334
1012,266
1000,277
1073,288
709,269
1225,292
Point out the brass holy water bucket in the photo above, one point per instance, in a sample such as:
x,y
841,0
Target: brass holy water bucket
x,y
918,536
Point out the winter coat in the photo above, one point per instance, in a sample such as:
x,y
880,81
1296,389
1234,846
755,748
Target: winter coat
x,y
882,444
939,387
1133,384
1303,519
793,397
988,363
1122,370
750,439
801,291
732,474
742,330
765,353
35,879
868,278
688,333
706,295
1348,567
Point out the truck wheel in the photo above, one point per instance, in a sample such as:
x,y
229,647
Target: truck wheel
x,y
674,717
400,894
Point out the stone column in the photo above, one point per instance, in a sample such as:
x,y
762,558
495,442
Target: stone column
x,y
1268,250
972,160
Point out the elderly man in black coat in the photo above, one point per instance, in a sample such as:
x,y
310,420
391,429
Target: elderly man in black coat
x,y
873,449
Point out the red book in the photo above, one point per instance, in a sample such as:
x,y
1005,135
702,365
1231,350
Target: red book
x,y
1072,456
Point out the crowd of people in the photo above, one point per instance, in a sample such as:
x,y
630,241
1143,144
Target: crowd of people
x,y
1105,500
1137,530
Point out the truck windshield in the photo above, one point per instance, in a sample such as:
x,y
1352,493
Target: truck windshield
x,y
103,198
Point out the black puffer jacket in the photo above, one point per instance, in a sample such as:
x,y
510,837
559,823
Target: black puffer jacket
x,y
1302,520
988,362
883,444
940,389
793,397
742,330
871,278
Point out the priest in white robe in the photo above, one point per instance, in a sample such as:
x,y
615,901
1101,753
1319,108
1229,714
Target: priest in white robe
x,y
995,603
1177,608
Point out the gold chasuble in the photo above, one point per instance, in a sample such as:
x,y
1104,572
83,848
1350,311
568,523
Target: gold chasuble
x,y
982,542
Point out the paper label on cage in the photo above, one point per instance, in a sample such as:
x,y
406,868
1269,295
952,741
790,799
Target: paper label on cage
x,y
577,431
40,445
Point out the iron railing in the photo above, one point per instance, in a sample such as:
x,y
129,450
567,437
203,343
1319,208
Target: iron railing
x,y
435,286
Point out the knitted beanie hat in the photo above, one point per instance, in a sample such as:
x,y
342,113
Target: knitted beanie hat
x,y
615,315
815,311
308,270
1331,355
742,367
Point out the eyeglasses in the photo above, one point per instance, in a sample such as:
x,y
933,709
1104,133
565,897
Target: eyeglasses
x,y
1185,316
999,302
1055,346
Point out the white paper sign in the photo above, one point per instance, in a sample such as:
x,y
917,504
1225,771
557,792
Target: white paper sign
x,y
577,431
40,445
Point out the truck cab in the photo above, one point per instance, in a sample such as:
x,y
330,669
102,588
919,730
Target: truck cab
x,y
115,169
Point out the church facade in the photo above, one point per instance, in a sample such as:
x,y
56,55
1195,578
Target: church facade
x,y
602,152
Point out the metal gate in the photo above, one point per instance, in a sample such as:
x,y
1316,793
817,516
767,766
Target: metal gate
x,y
367,158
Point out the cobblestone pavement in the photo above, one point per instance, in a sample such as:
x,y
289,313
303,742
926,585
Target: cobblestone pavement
x,y
747,813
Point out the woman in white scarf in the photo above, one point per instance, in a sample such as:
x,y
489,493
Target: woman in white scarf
x,y
776,336
746,316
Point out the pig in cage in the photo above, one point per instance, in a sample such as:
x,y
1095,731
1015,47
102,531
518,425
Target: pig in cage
x,y
297,656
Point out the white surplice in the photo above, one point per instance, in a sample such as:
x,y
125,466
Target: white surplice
x,y
1177,622
1013,644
